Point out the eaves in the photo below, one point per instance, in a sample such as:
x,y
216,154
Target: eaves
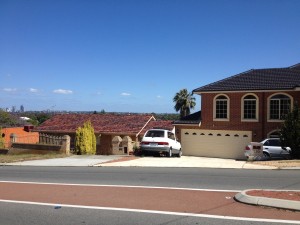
x,y
248,91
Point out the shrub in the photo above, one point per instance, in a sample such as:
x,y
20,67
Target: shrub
x,y
85,140
290,132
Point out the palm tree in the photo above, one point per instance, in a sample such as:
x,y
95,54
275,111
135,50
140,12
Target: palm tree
x,y
184,102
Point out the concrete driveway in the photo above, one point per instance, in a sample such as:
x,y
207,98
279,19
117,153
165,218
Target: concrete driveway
x,y
76,160
186,161
131,161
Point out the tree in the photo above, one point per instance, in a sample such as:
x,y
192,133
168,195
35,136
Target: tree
x,y
85,140
184,102
290,131
6,119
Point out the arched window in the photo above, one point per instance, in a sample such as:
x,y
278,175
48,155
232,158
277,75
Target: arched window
x,y
274,134
250,109
280,106
221,107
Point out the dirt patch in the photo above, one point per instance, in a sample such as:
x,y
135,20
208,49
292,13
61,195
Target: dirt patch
x,y
279,163
286,195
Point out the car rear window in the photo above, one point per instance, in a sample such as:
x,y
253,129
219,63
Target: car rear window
x,y
155,133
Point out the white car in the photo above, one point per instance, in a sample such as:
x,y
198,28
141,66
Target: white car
x,y
161,141
271,149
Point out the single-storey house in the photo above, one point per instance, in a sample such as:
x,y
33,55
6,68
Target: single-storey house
x,y
115,133
246,107
21,134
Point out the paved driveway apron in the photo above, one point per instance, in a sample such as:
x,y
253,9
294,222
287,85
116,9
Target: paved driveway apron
x,y
76,160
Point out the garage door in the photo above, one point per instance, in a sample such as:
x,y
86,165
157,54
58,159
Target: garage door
x,y
215,143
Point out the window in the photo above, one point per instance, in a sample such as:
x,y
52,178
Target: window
x,y
221,107
155,133
171,136
274,134
280,106
249,107
272,142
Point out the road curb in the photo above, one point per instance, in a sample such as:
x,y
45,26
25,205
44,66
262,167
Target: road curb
x,y
263,201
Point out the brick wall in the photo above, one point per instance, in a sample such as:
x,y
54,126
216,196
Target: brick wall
x,y
259,129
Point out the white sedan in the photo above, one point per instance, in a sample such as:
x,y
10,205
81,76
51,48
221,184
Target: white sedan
x,y
161,141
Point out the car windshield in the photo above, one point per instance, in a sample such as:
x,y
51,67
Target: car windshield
x,y
155,133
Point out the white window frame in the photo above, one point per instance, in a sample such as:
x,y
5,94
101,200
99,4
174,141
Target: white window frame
x,y
256,119
215,108
269,105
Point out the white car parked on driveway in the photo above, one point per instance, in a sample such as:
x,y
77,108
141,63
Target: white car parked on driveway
x,y
161,141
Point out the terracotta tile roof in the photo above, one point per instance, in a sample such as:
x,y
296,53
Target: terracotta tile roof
x,y
102,123
258,79
22,135
162,124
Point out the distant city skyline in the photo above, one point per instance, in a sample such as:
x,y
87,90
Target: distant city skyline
x,y
135,55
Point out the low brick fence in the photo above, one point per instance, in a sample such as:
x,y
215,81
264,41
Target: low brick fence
x,y
61,145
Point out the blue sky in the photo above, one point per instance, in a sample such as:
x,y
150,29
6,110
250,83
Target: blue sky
x,y
134,55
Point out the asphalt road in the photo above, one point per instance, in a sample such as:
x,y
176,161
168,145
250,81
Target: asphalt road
x,y
16,214
228,179
221,179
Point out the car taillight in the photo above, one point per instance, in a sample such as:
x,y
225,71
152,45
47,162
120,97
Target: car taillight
x,y
247,148
162,143
145,143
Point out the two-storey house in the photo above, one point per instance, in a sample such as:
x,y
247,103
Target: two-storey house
x,y
246,107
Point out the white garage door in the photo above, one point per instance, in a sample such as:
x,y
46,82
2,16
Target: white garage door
x,y
215,143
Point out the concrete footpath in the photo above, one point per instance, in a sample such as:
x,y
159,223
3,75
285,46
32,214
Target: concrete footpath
x,y
131,161
75,160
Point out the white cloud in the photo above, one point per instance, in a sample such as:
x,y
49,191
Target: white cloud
x,y
158,96
62,91
10,89
33,90
125,94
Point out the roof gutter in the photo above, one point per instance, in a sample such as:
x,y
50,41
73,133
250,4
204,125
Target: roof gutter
x,y
243,91
152,117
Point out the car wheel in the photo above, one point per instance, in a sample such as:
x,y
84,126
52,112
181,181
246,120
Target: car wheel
x,y
267,155
170,153
179,153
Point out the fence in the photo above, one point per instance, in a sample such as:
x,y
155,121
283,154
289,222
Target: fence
x,y
51,139
44,143
28,139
